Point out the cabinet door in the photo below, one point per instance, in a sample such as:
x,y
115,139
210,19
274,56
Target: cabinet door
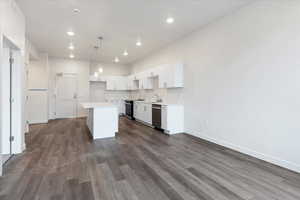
x,y
163,78
123,84
148,113
164,117
129,84
135,110
148,84
110,84
118,84
177,76
139,111
142,112
141,84
171,76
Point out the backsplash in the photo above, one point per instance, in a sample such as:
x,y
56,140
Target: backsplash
x,y
167,95
98,93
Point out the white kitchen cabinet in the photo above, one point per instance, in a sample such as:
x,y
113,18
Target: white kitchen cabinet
x,y
110,83
132,83
141,84
146,83
153,72
171,76
172,118
163,78
116,83
147,113
121,83
143,112
137,110
93,78
129,83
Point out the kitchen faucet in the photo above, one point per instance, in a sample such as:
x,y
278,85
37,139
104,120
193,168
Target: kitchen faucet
x,y
157,98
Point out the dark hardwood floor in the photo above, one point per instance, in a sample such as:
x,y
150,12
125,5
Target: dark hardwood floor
x,y
62,162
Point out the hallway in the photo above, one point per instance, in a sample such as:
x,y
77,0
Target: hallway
x,y
62,162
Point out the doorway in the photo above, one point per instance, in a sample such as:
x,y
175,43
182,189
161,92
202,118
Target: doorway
x,y
66,95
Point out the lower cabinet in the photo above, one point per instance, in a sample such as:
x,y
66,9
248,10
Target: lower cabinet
x,y
147,114
143,112
172,119
172,116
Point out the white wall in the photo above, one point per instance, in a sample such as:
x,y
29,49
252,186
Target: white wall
x,y
86,90
12,23
38,80
242,81
38,73
98,90
81,68
31,51
110,69
12,26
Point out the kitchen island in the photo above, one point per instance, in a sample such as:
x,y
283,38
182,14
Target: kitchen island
x,y
102,119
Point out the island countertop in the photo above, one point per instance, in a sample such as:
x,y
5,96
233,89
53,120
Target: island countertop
x,y
102,119
88,105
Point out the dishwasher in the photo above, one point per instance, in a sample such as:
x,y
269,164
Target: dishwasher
x,y
156,116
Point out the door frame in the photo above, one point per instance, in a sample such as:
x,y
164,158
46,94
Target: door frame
x,y
57,76
16,102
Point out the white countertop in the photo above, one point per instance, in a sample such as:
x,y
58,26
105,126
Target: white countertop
x,y
159,103
87,105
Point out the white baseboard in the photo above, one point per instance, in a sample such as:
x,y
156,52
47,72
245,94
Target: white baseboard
x,y
1,164
277,161
38,122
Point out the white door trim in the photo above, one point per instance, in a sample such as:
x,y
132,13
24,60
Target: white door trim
x,y
75,76
17,112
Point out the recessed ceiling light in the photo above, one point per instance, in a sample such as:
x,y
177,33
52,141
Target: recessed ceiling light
x,y
138,43
71,47
170,20
70,33
72,55
76,10
125,53
116,60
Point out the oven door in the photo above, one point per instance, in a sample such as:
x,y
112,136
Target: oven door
x,y
128,109
156,116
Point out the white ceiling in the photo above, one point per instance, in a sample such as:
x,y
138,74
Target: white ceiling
x,y
120,22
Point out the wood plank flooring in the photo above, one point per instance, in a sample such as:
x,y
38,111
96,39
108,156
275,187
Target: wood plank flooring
x,y
62,162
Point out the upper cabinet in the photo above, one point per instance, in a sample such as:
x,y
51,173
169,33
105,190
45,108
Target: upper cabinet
x,y
169,76
116,83
132,83
145,82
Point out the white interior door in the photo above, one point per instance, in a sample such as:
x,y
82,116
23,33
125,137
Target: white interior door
x,y
11,103
66,96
